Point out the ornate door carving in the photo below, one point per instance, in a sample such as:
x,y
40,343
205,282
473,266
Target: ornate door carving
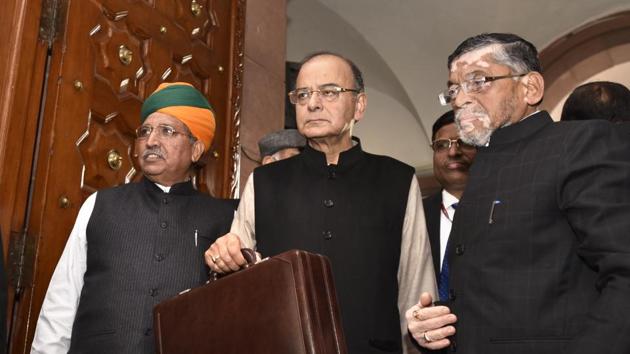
x,y
109,56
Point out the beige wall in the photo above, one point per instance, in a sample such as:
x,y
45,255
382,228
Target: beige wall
x,y
402,47
262,110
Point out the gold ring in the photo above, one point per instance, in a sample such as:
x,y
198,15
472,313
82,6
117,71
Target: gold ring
x,y
427,338
416,314
214,258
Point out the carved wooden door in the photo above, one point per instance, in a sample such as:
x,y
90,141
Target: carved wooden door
x,y
109,56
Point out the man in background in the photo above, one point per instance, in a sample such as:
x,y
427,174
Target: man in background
x,y
280,145
451,160
598,100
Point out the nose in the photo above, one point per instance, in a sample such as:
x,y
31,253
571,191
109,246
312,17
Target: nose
x,y
454,150
152,139
314,102
461,99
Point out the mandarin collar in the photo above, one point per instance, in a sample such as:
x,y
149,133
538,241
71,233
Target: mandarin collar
x,y
521,130
347,159
182,188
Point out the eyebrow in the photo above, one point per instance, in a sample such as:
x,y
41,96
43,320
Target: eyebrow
x,y
320,86
477,73
469,75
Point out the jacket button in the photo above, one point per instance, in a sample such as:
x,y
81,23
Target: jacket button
x,y
153,292
147,332
459,249
159,257
327,235
328,203
164,200
164,224
451,295
332,174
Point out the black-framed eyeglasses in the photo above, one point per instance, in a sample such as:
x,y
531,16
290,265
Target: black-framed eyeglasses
x,y
474,85
329,93
445,144
163,131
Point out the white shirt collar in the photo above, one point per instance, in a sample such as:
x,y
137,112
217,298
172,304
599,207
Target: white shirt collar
x,y
164,189
448,199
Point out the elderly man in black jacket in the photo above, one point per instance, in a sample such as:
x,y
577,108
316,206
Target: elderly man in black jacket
x,y
363,211
540,248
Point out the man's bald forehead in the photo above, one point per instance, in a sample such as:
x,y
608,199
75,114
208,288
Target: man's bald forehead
x,y
355,72
334,57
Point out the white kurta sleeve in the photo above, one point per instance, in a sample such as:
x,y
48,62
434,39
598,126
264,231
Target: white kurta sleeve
x,y
415,271
244,223
54,325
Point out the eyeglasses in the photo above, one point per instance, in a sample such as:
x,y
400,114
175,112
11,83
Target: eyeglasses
x,y
474,85
329,93
163,131
445,144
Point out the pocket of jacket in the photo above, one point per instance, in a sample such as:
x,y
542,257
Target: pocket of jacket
x,y
96,333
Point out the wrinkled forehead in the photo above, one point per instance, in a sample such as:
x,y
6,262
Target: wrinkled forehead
x,y
159,118
448,131
482,59
324,70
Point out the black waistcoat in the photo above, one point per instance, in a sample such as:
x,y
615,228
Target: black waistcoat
x,y
141,250
353,213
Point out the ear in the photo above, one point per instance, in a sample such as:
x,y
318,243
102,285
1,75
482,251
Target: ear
x,y
197,150
534,88
359,106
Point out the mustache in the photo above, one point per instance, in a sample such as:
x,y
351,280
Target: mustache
x,y
458,160
475,112
156,151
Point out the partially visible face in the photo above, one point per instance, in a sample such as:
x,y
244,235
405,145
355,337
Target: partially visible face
x,y
166,160
500,103
450,166
320,118
286,153
280,155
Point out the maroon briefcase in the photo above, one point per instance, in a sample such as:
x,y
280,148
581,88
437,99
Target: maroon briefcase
x,y
283,305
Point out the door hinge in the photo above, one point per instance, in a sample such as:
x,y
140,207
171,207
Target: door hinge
x,y
51,21
21,260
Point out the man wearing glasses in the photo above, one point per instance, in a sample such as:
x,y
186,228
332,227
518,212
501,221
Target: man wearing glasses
x,y
539,253
363,211
135,245
451,160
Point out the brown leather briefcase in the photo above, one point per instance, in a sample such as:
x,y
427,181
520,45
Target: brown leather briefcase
x,y
283,305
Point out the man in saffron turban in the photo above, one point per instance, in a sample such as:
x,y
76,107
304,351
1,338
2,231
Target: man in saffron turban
x,y
135,245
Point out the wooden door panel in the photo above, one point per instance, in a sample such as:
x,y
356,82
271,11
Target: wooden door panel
x,y
111,56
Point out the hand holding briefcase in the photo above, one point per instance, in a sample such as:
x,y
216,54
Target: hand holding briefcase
x,y
283,305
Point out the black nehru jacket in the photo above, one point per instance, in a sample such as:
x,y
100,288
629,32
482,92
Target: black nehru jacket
x,y
353,213
141,250
538,253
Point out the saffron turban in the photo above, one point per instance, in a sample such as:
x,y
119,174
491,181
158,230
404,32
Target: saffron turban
x,y
184,102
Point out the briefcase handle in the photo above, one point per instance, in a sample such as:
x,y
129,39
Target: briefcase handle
x,y
249,255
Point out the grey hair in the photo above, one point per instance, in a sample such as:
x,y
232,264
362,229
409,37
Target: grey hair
x,y
514,52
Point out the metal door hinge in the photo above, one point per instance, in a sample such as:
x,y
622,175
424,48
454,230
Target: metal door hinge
x,y
51,21
21,260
